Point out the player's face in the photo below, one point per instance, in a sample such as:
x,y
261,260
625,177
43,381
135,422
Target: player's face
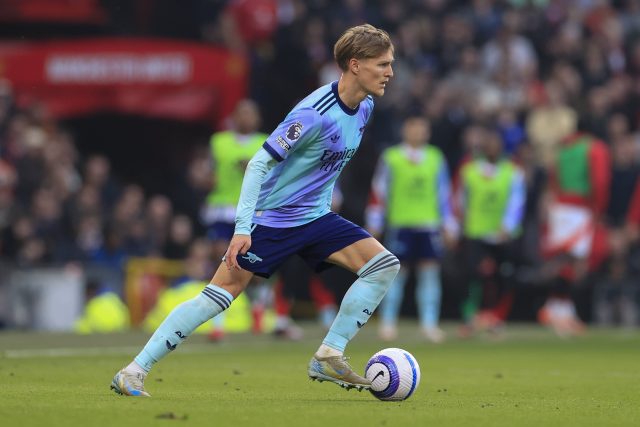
x,y
415,131
246,117
492,145
374,73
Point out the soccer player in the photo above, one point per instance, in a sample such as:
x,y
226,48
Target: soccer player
x,y
491,194
410,195
284,209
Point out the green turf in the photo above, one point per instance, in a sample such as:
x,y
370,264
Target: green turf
x,y
530,378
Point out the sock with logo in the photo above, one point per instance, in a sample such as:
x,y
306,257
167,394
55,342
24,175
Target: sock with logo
x,y
181,322
428,295
392,301
362,298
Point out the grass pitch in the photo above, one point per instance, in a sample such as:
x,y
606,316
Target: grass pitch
x,y
529,378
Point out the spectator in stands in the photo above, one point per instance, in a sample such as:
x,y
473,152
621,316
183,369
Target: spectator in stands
x,y
549,122
157,218
179,238
615,292
31,164
97,174
190,189
7,197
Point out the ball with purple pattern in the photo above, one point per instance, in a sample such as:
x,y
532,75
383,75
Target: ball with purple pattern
x,y
394,374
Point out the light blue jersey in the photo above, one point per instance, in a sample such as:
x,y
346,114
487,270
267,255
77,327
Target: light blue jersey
x,y
312,145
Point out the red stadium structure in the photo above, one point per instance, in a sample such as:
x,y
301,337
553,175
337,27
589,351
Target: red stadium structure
x,y
147,77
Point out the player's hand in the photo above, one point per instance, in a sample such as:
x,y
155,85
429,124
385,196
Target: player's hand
x,y
240,244
450,240
503,236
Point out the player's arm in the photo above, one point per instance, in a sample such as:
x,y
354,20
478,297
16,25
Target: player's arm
x,y
600,177
299,127
449,223
459,197
254,176
515,206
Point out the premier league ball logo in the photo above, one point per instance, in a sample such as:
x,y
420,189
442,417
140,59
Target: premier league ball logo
x,y
294,131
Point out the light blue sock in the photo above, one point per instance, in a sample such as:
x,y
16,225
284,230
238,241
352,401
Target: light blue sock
x,y
181,322
362,298
428,295
392,301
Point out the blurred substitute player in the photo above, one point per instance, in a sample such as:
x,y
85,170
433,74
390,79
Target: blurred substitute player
x,y
574,242
231,150
491,195
284,209
411,195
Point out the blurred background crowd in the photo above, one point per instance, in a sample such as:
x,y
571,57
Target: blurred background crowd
x,y
84,194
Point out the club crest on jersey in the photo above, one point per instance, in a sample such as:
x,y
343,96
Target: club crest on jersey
x,y
294,131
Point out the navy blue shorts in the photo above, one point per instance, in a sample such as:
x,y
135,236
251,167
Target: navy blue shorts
x,y
314,242
221,231
409,244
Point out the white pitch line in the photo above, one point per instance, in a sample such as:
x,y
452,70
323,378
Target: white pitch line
x,y
66,352
126,350
85,351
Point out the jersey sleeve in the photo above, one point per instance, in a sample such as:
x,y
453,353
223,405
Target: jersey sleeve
x,y
254,175
299,127
514,211
600,176
449,221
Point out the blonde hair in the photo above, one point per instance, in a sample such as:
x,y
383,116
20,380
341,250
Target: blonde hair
x,y
361,42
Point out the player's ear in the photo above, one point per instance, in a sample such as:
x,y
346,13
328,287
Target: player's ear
x,y
354,65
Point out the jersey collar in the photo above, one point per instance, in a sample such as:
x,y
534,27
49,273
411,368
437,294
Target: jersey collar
x,y
345,108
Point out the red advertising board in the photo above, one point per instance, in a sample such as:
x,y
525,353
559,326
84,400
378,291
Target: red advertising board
x,y
50,11
159,78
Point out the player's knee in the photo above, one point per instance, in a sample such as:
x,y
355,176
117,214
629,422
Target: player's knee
x,y
384,270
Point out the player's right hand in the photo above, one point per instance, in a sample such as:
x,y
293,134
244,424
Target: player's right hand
x,y
240,244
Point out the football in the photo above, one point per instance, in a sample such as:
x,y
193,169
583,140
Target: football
x,y
394,374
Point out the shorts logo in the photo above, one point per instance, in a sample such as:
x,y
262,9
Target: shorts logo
x,y
252,258
284,144
294,131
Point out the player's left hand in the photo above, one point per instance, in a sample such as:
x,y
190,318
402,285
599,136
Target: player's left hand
x,y
503,236
450,240
240,244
